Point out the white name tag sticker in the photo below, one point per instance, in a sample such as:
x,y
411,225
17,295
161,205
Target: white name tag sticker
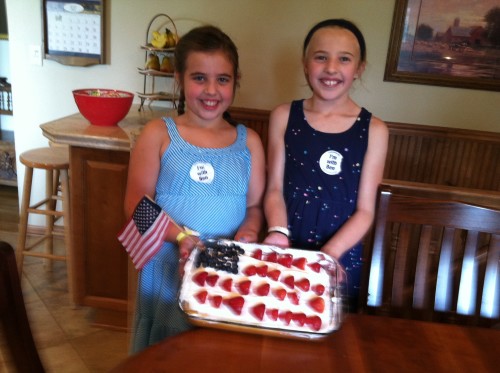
x,y
331,162
202,172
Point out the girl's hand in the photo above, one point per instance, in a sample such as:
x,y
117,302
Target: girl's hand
x,y
186,245
277,239
246,236
335,267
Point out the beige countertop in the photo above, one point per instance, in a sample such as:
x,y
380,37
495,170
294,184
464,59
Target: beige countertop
x,y
75,130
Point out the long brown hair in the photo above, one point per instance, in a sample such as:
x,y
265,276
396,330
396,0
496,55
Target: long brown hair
x,y
204,39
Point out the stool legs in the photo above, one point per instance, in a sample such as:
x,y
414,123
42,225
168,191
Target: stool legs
x,y
23,223
50,191
53,179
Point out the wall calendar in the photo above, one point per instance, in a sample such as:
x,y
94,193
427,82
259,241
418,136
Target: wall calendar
x,y
73,31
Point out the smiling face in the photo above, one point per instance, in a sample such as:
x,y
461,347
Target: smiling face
x,y
209,84
332,62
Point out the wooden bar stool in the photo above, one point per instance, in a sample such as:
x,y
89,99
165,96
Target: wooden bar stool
x,y
55,162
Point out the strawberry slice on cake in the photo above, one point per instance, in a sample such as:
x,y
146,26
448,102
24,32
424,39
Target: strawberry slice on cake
x,y
235,304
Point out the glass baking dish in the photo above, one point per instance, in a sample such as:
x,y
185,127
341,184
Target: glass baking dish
x,y
262,289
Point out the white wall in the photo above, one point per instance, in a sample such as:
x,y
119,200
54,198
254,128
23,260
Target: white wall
x,y
269,35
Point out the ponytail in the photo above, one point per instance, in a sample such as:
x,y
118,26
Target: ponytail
x,y
181,104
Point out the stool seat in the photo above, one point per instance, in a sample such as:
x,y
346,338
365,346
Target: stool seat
x,y
55,161
55,158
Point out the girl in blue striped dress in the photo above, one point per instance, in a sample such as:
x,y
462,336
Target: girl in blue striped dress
x,y
205,172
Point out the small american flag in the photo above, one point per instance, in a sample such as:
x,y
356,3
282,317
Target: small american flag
x,y
142,236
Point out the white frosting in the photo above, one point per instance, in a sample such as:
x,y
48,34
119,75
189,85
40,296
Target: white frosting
x,y
330,317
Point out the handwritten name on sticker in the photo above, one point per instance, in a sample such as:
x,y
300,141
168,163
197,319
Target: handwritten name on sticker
x,y
331,162
202,172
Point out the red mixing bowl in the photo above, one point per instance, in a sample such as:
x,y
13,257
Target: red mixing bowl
x,y
103,107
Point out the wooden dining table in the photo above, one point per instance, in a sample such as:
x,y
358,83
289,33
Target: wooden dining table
x,y
364,343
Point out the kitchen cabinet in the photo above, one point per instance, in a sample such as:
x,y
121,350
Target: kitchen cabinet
x,y
98,180
99,159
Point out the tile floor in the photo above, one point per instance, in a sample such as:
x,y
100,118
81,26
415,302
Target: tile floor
x,y
65,338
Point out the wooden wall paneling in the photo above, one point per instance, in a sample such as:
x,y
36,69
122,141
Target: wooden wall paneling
x,y
445,156
425,154
256,119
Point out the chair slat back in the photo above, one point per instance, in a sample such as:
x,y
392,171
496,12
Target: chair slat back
x,y
433,259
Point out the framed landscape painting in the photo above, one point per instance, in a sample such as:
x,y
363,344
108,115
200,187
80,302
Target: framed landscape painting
x,y
453,43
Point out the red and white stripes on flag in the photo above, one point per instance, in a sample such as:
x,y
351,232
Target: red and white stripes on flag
x,y
143,234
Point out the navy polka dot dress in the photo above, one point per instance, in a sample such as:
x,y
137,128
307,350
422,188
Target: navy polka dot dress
x,y
322,173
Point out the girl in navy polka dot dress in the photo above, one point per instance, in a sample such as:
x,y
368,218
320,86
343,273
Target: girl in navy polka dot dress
x,y
326,155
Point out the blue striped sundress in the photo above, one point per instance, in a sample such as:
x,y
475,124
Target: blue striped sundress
x,y
204,189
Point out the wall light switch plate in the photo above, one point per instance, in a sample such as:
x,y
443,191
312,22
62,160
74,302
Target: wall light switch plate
x,y
35,55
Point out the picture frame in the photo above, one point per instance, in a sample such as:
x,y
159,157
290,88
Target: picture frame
x,y
73,31
4,31
457,55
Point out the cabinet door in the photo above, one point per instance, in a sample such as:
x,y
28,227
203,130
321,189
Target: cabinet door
x,y
98,180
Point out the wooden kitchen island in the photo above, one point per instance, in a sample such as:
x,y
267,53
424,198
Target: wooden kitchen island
x,y
99,159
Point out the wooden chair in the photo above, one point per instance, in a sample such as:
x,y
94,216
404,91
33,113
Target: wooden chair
x,y
431,259
13,317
